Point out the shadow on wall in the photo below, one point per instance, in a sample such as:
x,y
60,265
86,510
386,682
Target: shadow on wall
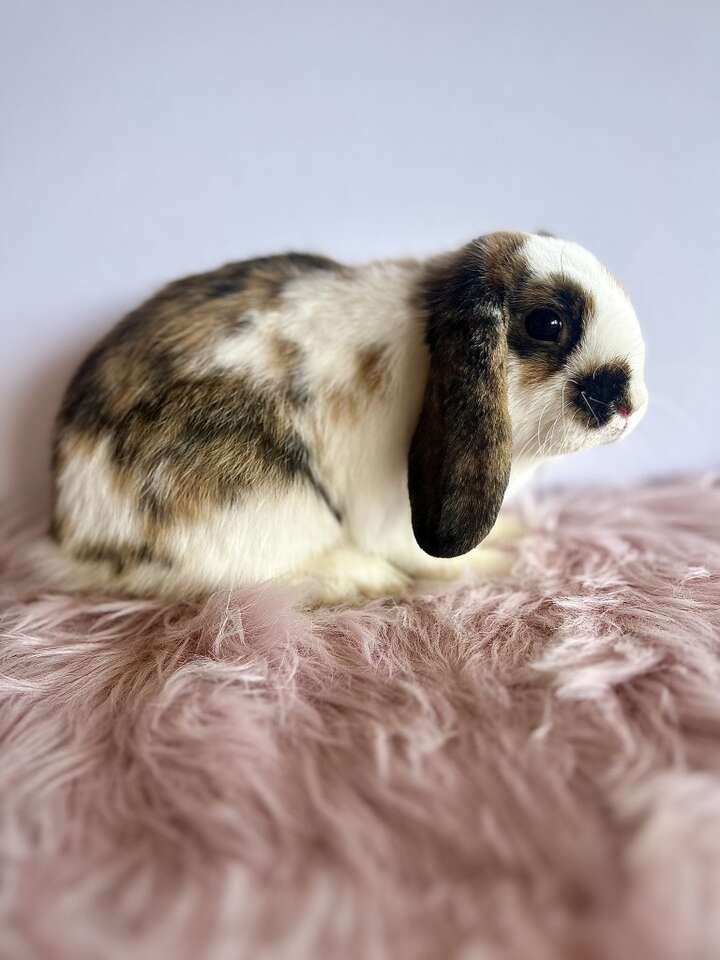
x,y
38,403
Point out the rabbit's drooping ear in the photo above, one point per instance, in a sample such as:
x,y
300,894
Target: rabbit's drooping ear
x,y
459,461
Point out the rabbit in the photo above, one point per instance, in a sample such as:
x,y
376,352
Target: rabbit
x,y
353,428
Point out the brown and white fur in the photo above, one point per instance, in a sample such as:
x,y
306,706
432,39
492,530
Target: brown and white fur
x,y
353,427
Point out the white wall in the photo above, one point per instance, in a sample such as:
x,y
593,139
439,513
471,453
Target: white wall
x,y
145,139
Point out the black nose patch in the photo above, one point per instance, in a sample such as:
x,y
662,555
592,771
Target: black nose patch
x,y
601,394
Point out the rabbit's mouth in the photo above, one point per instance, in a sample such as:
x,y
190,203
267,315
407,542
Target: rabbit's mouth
x,y
570,427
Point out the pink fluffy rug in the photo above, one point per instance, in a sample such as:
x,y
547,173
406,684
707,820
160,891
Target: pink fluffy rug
x,y
526,768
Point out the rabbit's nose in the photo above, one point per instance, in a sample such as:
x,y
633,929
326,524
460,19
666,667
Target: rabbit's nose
x,y
603,393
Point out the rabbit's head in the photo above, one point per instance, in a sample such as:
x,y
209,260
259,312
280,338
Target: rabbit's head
x,y
535,351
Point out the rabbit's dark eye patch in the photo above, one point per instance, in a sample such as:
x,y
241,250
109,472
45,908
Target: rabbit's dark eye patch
x,y
547,321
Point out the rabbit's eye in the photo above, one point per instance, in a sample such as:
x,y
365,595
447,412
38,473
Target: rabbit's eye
x,y
544,324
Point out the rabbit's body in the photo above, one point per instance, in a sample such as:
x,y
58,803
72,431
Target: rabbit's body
x,y
254,423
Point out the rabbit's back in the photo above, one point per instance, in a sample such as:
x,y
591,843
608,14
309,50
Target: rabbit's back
x,y
211,430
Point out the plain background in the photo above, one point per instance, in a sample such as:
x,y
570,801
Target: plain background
x,y
145,139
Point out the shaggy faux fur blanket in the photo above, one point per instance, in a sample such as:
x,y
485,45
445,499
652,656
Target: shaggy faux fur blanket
x,y
521,768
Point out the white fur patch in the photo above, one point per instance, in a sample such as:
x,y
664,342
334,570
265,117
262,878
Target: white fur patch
x,y
264,535
93,508
244,351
